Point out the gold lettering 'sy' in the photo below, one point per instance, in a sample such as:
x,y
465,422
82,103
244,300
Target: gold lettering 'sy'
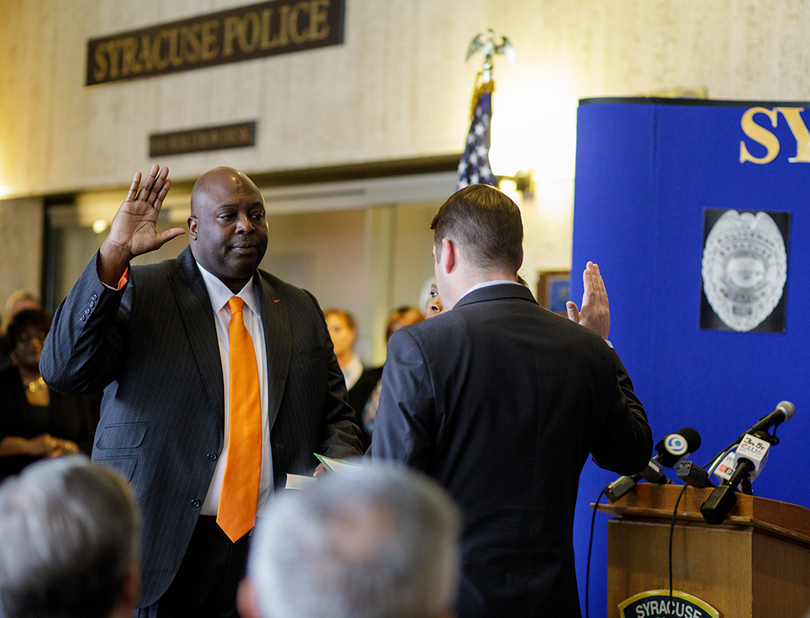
x,y
799,130
759,134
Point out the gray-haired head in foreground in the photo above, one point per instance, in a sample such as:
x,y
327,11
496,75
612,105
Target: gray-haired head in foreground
x,y
378,542
69,531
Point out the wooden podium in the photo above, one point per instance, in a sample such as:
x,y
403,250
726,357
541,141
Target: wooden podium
x,y
755,565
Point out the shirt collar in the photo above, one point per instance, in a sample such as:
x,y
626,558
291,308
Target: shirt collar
x,y
486,284
220,294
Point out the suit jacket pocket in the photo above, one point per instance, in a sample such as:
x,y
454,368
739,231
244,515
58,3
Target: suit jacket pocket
x,y
124,465
126,435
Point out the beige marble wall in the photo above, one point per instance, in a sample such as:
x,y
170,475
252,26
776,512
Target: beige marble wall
x,y
397,88
21,222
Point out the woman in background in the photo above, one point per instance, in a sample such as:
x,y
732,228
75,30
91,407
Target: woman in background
x,y
36,422
360,381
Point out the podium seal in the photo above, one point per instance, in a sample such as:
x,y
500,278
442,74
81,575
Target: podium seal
x,y
655,604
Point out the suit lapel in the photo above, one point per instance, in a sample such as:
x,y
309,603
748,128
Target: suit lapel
x,y
277,342
198,320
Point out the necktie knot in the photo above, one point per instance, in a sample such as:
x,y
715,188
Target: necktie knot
x,y
235,304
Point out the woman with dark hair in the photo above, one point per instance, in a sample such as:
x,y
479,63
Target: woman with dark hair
x,y
36,422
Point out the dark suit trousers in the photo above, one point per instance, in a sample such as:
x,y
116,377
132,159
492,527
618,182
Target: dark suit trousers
x,y
206,584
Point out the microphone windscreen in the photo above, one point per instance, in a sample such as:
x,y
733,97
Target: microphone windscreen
x,y
676,445
788,408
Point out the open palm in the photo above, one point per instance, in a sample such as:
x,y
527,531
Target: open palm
x,y
133,230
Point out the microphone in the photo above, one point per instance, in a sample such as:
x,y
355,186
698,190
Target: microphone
x,y
784,412
749,459
671,449
692,474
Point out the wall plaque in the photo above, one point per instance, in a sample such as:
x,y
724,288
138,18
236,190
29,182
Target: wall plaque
x,y
206,138
243,33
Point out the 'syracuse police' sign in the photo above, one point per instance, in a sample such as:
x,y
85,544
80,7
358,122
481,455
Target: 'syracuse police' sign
x,y
655,604
243,33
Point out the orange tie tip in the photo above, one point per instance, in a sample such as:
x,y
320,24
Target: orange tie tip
x,y
277,300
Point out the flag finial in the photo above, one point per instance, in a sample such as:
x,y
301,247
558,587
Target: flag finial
x,y
485,43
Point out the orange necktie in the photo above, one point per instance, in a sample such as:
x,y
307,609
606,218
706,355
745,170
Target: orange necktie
x,y
236,514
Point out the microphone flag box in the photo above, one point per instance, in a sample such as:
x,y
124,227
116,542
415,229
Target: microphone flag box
x,y
755,450
726,468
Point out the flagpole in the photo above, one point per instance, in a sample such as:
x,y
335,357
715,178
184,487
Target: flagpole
x,y
474,167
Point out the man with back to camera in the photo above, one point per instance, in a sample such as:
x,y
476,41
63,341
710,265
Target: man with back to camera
x,y
70,542
378,542
502,402
161,341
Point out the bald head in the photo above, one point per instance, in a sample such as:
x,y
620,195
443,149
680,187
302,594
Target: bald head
x,y
227,227
217,180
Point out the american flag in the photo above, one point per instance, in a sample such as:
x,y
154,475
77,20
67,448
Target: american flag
x,y
474,166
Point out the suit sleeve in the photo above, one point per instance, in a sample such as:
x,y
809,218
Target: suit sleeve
x,y
404,430
624,444
85,347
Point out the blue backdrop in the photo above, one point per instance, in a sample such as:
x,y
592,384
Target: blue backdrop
x,y
646,170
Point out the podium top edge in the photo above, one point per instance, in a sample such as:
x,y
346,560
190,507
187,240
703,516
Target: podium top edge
x,y
658,501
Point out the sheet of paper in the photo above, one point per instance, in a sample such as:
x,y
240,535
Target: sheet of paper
x,y
337,465
299,481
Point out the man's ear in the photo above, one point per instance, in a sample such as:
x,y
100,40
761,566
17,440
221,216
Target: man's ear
x,y
246,599
449,255
192,227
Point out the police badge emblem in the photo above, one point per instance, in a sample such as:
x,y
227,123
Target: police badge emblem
x,y
744,270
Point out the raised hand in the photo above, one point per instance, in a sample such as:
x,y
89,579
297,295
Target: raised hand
x,y
133,231
595,313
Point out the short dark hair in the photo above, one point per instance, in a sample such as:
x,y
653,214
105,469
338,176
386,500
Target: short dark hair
x,y
30,318
487,225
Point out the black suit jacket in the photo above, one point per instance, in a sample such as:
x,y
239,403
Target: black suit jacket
x,y
502,402
154,347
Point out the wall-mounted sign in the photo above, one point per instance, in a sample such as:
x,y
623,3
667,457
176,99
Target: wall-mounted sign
x,y
244,33
206,138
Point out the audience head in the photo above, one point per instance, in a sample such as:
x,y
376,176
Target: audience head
x,y
342,330
20,300
486,226
69,531
403,316
379,542
27,333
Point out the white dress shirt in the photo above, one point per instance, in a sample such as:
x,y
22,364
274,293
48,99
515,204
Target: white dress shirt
x,y
219,294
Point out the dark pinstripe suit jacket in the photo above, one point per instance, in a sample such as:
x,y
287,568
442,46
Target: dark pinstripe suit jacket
x,y
502,401
153,348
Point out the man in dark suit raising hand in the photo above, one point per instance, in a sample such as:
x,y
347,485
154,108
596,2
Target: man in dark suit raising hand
x,y
218,379
502,402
